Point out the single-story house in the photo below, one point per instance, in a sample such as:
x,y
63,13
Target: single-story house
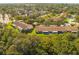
x,y
55,29
22,26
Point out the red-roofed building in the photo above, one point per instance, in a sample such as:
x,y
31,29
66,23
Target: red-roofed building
x,y
22,26
55,29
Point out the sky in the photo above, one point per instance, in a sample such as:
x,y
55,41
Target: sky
x,y
39,1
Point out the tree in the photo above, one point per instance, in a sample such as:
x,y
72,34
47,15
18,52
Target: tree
x,y
77,18
76,43
18,17
12,50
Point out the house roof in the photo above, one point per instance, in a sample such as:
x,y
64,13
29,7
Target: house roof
x,y
23,25
55,28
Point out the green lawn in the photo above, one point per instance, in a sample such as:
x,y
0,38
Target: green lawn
x,y
34,33
70,20
41,35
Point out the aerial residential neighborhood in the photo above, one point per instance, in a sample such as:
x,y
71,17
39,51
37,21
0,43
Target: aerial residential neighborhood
x,y
39,29
42,28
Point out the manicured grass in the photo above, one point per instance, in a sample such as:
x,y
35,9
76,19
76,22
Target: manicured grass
x,y
41,35
69,20
34,33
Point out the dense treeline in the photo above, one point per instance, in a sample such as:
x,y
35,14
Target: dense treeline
x,y
14,42
38,8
